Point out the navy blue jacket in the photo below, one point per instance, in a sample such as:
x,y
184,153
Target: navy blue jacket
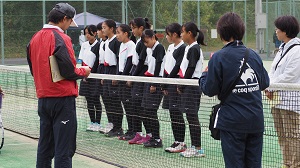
x,y
242,110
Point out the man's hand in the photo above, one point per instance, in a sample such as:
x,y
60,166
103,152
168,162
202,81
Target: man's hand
x,y
87,70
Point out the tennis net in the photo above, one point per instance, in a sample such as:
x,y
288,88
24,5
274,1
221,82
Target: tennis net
x,y
19,114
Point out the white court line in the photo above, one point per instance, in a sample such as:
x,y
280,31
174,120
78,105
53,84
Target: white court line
x,y
17,144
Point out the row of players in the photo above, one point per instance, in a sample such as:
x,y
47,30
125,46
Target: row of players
x,y
118,52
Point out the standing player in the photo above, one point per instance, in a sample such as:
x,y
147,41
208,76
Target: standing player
x,y
101,70
111,88
285,69
173,60
138,25
56,100
191,68
240,118
152,92
127,52
89,54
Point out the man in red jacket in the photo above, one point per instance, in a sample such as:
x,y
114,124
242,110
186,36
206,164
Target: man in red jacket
x,y
56,100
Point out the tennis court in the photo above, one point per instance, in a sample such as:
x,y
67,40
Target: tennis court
x,y
20,151
20,115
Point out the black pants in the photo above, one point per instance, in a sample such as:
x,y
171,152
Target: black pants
x,y
189,104
242,149
94,108
113,103
114,111
195,129
137,112
129,114
58,128
107,104
151,123
177,120
178,125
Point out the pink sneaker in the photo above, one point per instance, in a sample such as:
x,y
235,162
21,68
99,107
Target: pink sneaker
x,y
143,140
137,138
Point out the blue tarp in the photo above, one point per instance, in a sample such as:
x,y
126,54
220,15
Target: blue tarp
x,y
90,19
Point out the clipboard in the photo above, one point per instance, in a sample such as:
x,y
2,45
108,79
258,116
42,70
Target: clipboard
x,y
55,74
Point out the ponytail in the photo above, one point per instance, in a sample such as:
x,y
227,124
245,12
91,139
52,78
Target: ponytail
x,y
139,22
147,23
192,27
200,38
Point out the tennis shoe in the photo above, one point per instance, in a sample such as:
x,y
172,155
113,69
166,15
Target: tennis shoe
x,y
97,127
193,152
107,128
115,132
127,136
143,140
153,143
137,138
176,147
90,127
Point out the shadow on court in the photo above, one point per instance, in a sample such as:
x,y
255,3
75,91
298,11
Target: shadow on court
x,y
20,151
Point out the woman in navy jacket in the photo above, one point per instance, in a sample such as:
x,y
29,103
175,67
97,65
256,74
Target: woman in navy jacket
x,y
240,118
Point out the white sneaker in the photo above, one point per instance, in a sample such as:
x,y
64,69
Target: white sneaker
x,y
97,127
193,152
90,127
176,147
107,128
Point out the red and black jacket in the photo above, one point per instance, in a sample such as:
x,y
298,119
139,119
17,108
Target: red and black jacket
x,y
51,40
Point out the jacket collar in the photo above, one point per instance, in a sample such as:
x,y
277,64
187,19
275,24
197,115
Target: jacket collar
x,y
234,43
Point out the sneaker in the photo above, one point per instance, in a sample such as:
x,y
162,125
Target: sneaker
x,y
90,127
127,136
114,132
193,152
97,127
107,128
143,140
176,147
153,143
137,138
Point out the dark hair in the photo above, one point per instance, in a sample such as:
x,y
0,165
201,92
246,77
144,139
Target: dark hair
x,y
288,24
230,25
56,16
99,26
192,27
173,28
91,29
138,22
111,24
126,29
148,33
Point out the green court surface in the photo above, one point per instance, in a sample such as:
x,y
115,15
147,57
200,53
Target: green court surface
x,y
20,114
20,151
